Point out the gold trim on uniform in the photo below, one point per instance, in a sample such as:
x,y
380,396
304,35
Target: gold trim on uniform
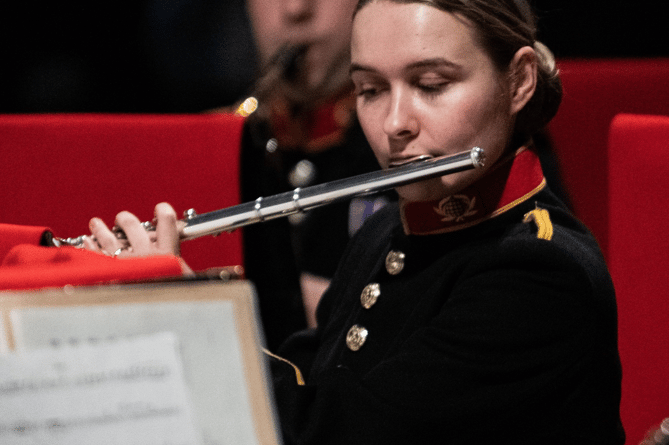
x,y
298,373
522,199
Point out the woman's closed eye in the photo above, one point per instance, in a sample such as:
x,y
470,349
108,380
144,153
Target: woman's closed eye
x,y
431,86
368,90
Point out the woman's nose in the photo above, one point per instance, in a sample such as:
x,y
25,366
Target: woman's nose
x,y
400,120
298,10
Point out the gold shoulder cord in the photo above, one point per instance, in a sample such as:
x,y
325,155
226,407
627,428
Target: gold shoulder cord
x,y
543,221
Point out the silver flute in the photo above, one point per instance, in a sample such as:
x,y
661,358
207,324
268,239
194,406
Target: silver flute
x,y
302,200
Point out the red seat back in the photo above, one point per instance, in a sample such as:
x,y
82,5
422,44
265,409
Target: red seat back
x,y
59,170
595,90
638,180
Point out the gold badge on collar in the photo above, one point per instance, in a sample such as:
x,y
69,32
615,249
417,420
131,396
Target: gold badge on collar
x,y
456,208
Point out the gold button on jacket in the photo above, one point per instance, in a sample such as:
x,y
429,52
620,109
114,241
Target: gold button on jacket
x,y
370,294
395,262
356,337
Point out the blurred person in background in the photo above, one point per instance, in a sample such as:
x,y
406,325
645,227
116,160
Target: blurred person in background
x,y
304,133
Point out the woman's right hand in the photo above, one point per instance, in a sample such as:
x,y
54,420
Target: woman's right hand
x,y
139,242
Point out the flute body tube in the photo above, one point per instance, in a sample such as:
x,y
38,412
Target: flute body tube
x,y
302,200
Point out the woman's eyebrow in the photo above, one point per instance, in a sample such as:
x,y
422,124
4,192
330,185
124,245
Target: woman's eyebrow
x,y
436,62
358,67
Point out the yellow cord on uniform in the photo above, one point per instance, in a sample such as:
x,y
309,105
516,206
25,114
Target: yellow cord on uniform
x,y
542,219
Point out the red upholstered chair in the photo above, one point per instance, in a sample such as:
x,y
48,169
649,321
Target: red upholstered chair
x,y
595,90
638,179
59,170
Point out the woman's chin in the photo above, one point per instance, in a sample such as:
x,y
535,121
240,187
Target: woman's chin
x,y
423,191
439,188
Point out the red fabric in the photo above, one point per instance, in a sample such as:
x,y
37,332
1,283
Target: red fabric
x,y
26,265
595,90
522,177
639,262
12,235
61,170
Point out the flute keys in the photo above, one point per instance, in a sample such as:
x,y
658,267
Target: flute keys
x,y
395,262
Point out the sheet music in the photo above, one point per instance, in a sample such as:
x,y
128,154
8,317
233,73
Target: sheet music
x,y
4,347
122,392
212,358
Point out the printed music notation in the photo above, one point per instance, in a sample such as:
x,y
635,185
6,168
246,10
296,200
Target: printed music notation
x,y
224,377
129,391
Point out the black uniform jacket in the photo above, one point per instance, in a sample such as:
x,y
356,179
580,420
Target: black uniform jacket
x,y
487,317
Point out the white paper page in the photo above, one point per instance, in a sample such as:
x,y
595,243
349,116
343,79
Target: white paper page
x,y
125,392
213,365
4,347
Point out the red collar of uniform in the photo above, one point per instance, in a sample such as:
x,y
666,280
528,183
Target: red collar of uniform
x,y
317,129
521,175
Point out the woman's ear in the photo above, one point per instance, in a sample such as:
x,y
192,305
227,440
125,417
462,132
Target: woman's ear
x,y
523,73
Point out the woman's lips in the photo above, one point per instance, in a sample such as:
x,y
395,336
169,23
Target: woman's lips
x,y
401,162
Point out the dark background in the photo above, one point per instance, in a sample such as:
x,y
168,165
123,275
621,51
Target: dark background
x,y
166,56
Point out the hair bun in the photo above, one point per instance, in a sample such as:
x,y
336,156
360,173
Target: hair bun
x,y
545,58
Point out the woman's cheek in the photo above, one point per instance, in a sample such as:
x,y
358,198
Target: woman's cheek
x,y
375,136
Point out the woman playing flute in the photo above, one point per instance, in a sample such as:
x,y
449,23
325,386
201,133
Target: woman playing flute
x,y
477,309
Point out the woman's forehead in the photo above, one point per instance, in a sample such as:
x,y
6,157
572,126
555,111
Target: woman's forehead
x,y
383,30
